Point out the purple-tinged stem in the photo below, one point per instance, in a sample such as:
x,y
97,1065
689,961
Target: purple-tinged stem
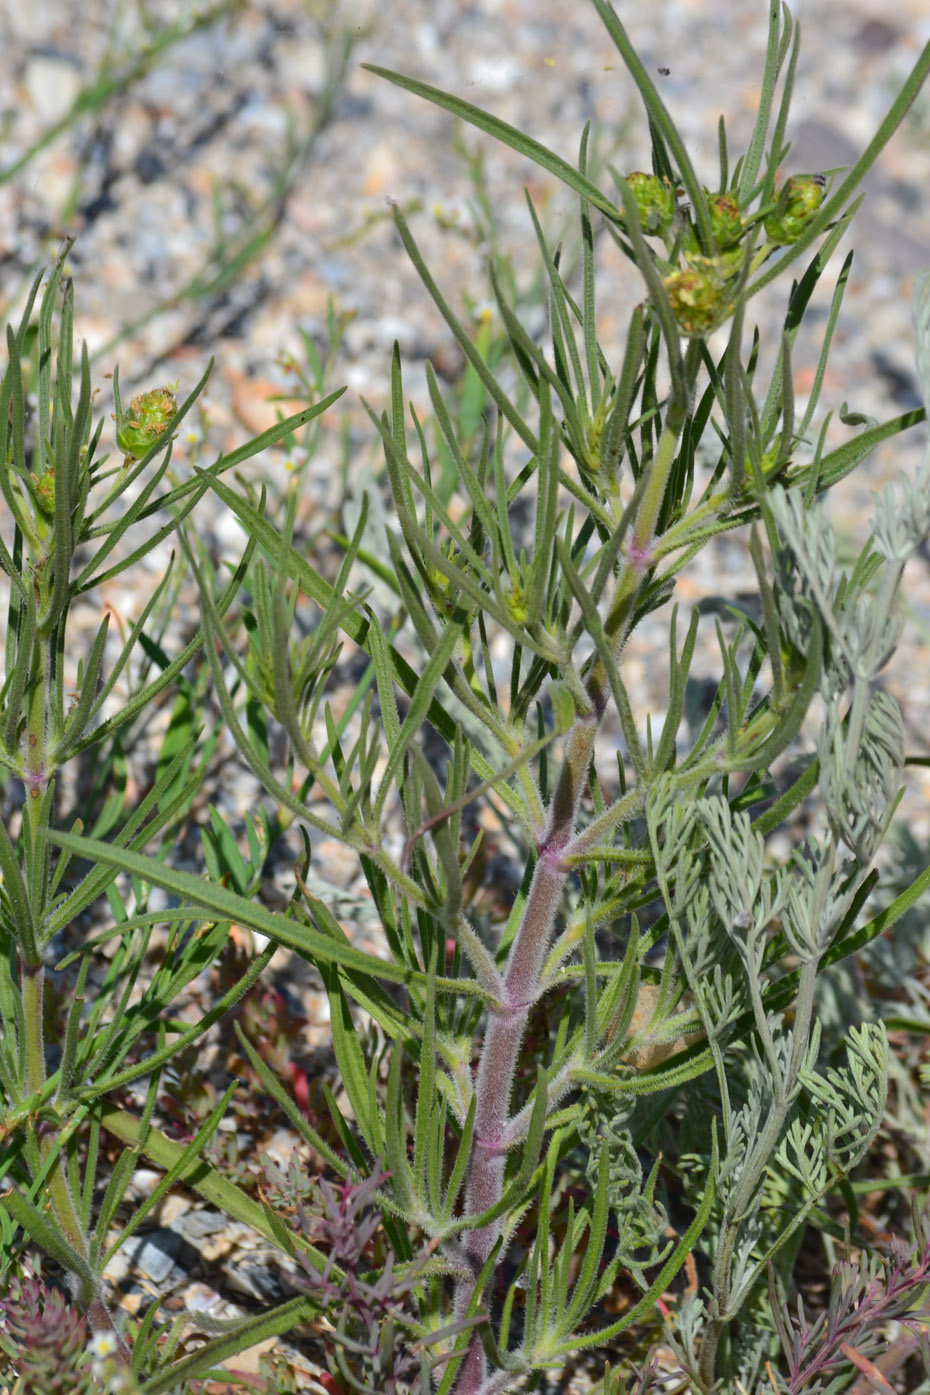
x,y
497,1066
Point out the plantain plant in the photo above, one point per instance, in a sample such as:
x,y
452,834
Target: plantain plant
x,y
619,1074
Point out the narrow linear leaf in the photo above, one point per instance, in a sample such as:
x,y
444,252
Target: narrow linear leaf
x,y
220,902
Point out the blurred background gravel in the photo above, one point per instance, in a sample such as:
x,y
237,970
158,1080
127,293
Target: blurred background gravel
x,y
226,172
250,134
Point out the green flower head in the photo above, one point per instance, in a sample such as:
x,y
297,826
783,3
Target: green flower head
x,y
145,422
655,200
725,219
698,299
799,200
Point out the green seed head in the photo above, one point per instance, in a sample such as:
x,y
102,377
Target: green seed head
x,y
799,200
725,219
655,200
146,421
698,299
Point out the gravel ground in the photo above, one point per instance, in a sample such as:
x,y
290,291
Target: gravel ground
x,y
247,131
177,161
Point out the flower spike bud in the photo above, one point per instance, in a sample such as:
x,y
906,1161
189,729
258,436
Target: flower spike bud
x,y
655,200
145,422
798,201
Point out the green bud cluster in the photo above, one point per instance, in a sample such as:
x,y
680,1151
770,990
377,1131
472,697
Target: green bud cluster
x,y
799,200
655,201
698,297
726,220
146,421
698,287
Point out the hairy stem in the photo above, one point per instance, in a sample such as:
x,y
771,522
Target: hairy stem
x,y
497,1065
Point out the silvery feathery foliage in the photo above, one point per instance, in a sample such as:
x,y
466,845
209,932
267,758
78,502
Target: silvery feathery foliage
x,y
745,896
721,995
859,787
802,1123
852,1095
816,903
899,530
640,1218
799,1125
861,628
807,582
